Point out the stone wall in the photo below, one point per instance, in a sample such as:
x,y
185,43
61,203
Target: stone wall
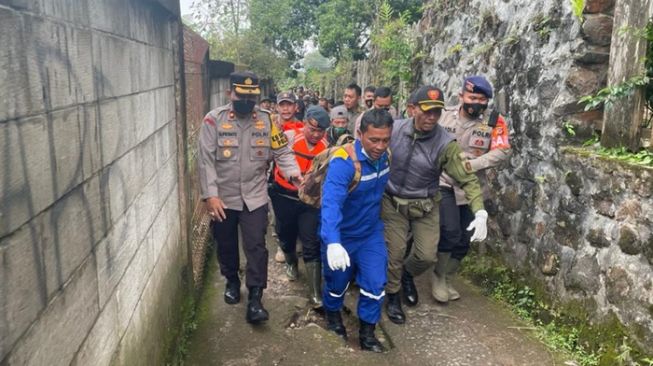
x,y
91,257
579,225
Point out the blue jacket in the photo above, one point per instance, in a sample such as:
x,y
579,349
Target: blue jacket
x,y
352,216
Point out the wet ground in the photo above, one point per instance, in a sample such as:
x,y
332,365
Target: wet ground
x,y
474,330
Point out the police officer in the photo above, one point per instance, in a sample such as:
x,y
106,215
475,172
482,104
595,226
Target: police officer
x,y
484,137
236,143
352,234
294,218
421,149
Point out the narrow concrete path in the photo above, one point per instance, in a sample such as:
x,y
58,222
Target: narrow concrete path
x,y
472,331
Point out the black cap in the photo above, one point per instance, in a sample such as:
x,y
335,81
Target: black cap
x,y
428,97
320,116
287,97
245,83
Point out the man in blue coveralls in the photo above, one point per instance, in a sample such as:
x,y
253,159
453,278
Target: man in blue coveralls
x,y
352,230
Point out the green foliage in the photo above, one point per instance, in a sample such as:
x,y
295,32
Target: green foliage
x,y
610,94
457,48
569,128
188,326
577,7
561,328
595,139
542,25
395,44
284,25
642,157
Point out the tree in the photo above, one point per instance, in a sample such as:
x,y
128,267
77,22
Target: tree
x,y
285,25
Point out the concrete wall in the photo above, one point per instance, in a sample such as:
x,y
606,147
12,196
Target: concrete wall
x,y
91,259
579,225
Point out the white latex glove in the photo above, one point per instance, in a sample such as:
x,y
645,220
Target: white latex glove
x,y
479,225
337,257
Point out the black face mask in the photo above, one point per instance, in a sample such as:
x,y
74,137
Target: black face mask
x,y
369,103
243,106
474,109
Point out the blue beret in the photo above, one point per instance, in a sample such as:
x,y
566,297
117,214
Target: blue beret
x,y
478,84
320,116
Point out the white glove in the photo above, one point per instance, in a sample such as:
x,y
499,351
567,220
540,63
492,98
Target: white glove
x,y
337,257
479,225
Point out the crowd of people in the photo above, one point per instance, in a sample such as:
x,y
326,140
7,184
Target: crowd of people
x,y
400,195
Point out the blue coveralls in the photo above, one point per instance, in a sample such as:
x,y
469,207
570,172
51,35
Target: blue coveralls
x,y
354,220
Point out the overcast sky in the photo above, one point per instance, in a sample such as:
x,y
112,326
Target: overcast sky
x,y
185,6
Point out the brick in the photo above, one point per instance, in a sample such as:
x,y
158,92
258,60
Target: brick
x,y
103,339
21,90
71,228
157,308
130,287
26,163
59,331
110,16
124,183
114,253
69,10
22,284
116,129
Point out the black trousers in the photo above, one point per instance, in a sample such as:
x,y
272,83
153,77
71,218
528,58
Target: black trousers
x,y
294,219
253,225
454,220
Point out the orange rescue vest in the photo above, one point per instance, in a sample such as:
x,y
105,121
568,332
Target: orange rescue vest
x,y
304,157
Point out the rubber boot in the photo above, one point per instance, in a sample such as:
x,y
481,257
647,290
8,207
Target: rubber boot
x,y
393,309
256,313
408,289
439,279
334,324
292,272
367,338
452,268
314,277
232,292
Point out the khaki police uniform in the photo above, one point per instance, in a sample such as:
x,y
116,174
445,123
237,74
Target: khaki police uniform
x,y
234,155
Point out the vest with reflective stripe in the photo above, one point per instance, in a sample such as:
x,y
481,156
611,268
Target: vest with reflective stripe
x,y
304,157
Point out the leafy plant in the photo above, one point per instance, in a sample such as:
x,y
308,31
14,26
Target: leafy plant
x,y
457,48
642,157
577,7
569,128
610,94
592,140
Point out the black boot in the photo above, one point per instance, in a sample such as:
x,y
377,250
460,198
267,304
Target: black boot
x,y
334,324
232,292
256,313
408,289
367,339
393,309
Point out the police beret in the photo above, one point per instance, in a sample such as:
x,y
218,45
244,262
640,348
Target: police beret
x,y
320,116
429,97
245,82
339,112
478,84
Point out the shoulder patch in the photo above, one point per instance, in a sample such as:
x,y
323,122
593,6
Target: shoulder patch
x,y
340,153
